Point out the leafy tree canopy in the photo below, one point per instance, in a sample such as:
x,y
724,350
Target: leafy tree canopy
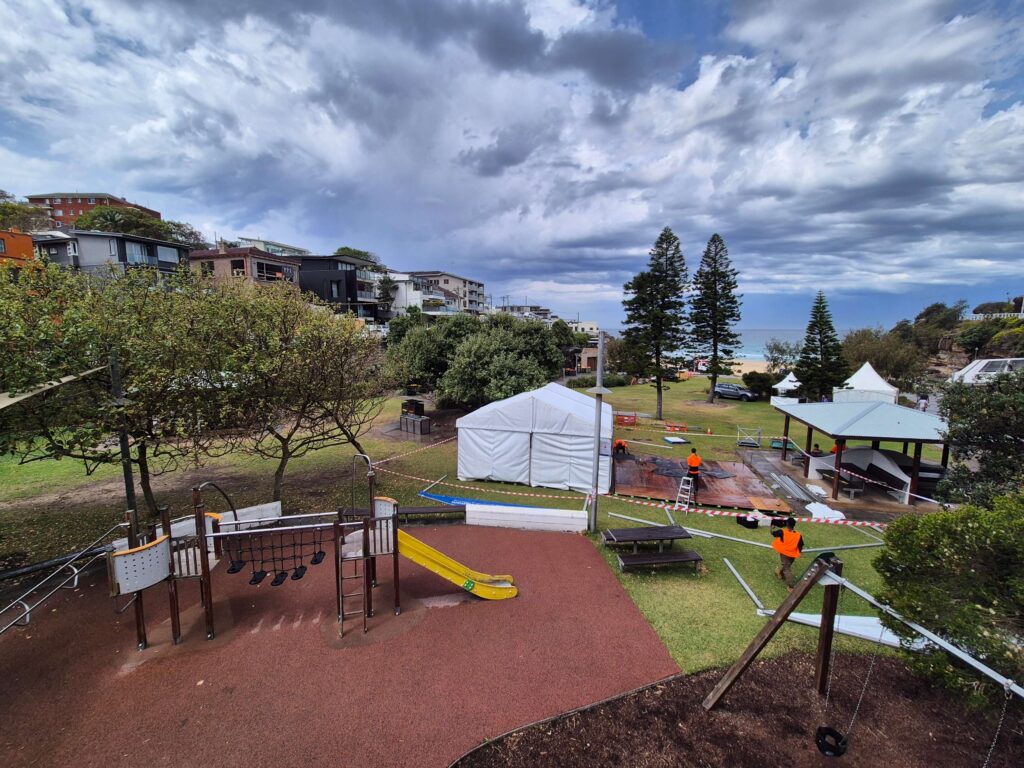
x,y
961,574
715,310
781,356
486,368
356,253
986,429
19,214
896,360
132,221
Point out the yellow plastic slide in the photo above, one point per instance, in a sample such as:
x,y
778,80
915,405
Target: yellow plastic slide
x,y
480,584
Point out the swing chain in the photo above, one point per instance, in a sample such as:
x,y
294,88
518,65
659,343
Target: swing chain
x,y
832,651
999,728
864,688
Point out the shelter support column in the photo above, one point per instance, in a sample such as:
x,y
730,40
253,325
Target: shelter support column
x,y
807,452
875,444
785,437
915,471
840,447
826,630
906,447
945,455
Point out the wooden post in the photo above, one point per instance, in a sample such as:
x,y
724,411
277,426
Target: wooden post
x,y
785,437
205,589
172,582
394,561
840,447
807,452
827,630
915,471
906,447
802,589
945,455
875,444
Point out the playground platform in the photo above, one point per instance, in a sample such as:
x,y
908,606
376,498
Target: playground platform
x,y
277,687
657,477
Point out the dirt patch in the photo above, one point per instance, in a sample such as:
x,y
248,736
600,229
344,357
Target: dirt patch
x,y
768,719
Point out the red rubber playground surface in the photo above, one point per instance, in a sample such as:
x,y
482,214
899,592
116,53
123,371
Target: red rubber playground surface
x,y
276,687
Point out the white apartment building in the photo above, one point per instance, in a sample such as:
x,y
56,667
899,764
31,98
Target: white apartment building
x,y
468,293
589,327
414,291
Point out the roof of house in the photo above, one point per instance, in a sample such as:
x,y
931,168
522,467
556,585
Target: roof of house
x,y
247,251
875,420
427,272
97,233
77,194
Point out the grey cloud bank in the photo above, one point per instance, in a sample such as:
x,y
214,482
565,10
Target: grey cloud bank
x,y
542,146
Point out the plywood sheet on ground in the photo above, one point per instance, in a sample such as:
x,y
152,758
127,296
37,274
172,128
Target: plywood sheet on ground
x,y
656,477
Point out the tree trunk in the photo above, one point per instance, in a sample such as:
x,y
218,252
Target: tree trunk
x,y
144,481
657,384
714,371
282,464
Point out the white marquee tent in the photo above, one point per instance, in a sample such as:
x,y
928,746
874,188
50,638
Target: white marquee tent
x,y
865,386
539,438
787,384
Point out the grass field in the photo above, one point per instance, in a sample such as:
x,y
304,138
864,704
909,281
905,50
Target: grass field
x,y
704,621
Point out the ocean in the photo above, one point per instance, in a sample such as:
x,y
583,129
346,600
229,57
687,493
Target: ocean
x,y
752,340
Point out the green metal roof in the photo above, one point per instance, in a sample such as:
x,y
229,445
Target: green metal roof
x,y
868,421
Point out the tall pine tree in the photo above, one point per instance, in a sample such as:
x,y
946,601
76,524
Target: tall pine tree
x,y
715,308
655,316
822,365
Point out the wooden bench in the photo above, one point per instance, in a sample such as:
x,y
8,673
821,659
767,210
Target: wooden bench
x,y
671,557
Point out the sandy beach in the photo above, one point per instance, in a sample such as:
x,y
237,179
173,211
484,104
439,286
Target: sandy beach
x,y
749,366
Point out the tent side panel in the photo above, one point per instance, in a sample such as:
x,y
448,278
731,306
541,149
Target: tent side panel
x,y
486,454
567,461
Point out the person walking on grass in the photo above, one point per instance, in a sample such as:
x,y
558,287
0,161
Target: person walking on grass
x,y
789,543
693,462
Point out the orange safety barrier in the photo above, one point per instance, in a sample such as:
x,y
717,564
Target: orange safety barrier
x,y
624,420
671,426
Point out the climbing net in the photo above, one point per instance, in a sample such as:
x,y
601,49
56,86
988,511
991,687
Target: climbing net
x,y
282,553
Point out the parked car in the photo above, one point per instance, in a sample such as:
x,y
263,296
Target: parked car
x,y
734,392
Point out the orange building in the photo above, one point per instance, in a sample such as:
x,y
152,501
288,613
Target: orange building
x,y
16,247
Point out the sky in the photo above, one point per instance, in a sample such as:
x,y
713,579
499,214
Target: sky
x,y
873,150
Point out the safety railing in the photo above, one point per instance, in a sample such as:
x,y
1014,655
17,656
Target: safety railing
x,y
78,563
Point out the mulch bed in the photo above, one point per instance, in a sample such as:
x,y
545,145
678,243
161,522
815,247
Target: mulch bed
x,y
769,718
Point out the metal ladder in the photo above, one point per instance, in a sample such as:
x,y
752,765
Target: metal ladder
x,y
684,494
356,573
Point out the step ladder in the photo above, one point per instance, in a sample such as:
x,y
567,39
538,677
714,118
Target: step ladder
x,y
684,496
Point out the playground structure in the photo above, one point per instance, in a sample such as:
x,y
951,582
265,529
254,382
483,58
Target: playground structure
x,y
827,570
268,547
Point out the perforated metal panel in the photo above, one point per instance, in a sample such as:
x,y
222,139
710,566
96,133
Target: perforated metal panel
x,y
134,570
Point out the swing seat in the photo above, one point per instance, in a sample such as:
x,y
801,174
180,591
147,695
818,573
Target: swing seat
x,y
280,579
318,557
299,573
236,566
257,577
830,742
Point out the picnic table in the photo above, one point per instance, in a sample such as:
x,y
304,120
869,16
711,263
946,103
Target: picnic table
x,y
658,534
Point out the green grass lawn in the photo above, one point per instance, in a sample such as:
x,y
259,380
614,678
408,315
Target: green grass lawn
x,y
705,620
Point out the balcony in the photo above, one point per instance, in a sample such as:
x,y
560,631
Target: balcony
x,y
367,275
366,295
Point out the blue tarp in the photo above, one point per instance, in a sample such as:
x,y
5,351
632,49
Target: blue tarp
x,y
464,500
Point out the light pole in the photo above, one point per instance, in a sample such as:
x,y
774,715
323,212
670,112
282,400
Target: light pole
x,y
598,392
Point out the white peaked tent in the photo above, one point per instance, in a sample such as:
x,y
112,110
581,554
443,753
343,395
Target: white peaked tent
x,y
865,386
788,384
540,438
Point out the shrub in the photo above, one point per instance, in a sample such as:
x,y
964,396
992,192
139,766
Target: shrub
x,y
961,574
610,380
758,383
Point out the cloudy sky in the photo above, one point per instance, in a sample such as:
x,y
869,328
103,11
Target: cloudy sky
x,y
874,149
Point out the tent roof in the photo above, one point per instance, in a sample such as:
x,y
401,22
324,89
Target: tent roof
x,y
868,421
787,384
867,378
550,409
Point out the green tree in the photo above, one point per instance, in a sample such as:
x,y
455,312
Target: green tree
x,y
167,333
715,310
486,368
896,360
759,383
934,322
531,339
356,253
985,425
624,358
655,310
781,356
386,287
821,365
563,335
128,221
185,234
424,353
19,214
307,379
401,325
961,574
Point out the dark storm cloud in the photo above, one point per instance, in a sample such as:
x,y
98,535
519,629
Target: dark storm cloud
x,y
511,146
617,58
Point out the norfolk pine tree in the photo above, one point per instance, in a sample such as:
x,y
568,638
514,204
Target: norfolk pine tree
x,y
655,315
821,365
714,308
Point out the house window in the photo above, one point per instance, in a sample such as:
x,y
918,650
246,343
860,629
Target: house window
x,y
137,253
112,246
446,281
58,212
271,272
92,201
164,253
335,289
3,246
80,211
72,248
56,199
238,267
206,268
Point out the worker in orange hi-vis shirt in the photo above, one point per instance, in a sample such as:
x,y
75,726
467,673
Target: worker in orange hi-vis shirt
x,y
789,544
693,462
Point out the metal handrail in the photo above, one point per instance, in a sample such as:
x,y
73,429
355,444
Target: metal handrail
x,y
26,614
220,490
